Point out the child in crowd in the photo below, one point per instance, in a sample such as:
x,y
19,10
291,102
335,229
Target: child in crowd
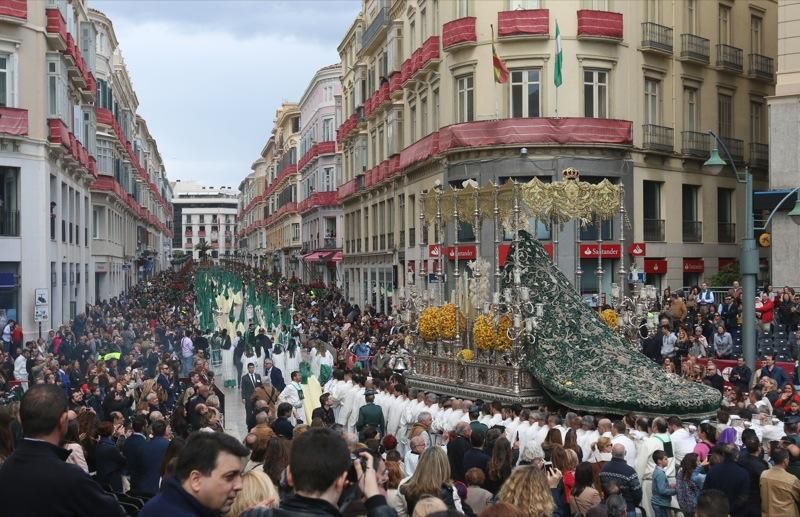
x,y
661,498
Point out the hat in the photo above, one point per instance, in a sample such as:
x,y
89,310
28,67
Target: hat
x,y
369,393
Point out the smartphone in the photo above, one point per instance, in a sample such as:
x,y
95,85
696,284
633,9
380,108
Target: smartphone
x,y
548,467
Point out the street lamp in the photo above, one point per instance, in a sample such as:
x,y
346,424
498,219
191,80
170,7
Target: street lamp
x,y
748,258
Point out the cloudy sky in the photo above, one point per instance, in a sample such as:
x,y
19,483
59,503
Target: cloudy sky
x,y
209,74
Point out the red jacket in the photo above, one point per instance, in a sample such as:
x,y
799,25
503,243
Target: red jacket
x,y
766,311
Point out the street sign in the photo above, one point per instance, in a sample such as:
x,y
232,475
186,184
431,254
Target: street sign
x,y
41,314
42,296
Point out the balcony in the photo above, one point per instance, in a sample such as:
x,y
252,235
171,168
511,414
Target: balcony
x,y
9,223
653,230
696,49
600,25
729,58
726,232
656,38
14,11
329,243
376,28
459,33
692,231
533,131
735,147
56,29
523,23
695,144
13,121
657,138
759,156
761,67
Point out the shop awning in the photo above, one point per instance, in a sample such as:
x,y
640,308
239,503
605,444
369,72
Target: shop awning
x,y
335,257
315,256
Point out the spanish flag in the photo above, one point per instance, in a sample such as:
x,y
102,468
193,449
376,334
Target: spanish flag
x,y
500,70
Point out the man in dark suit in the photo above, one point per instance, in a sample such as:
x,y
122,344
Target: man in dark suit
x,y
282,426
370,414
151,455
250,382
38,461
274,375
134,452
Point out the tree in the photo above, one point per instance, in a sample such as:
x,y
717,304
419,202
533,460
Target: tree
x,y
202,248
726,276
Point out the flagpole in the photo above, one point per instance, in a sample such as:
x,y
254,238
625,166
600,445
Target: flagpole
x,y
557,102
496,101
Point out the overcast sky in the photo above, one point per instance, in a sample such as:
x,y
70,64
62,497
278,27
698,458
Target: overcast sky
x,y
210,74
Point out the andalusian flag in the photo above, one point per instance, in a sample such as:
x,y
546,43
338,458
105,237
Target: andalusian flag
x,y
557,79
500,69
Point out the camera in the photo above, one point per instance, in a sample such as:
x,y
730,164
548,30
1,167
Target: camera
x,y
356,455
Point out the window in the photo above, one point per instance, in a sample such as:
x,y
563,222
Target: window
x,y
653,11
725,107
95,223
690,194
597,5
724,205
435,10
651,101
690,111
756,110
412,36
328,180
724,24
463,8
7,81
412,125
653,228
57,93
105,156
523,4
423,24
691,16
595,93
295,231
423,116
465,98
436,109
327,130
525,92
756,35
9,201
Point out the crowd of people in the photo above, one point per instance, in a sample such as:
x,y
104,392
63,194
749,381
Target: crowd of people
x,y
123,413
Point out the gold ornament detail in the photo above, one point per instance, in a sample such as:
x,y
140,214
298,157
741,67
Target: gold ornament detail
x,y
430,324
610,318
447,316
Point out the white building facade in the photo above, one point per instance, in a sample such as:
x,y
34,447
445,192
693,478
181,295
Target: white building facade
x,y
204,215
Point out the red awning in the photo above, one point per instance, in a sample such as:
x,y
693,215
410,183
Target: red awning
x,y
336,257
314,256
655,266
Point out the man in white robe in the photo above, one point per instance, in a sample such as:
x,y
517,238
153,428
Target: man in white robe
x,y
619,436
659,440
293,394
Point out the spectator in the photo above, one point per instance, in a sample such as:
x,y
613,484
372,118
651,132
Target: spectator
x,y
110,461
584,496
723,343
728,477
152,455
780,491
283,426
618,476
207,478
457,446
257,491
499,465
134,451
478,498
773,371
663,491
533,491
430,479
689,484
38,461
712,503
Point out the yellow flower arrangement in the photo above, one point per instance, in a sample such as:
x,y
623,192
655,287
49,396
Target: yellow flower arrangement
x,y
483,333
447,315
502,341
610,318
465,355
429,323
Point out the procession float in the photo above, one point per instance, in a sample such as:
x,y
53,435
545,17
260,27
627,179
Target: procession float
x,y
512,327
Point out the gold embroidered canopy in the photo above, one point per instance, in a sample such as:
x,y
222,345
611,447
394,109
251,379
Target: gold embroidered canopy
x,y
560,201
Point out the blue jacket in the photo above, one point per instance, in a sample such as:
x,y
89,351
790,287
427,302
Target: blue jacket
x,y
110,464
152,454
733,480
777,374
133,449
662,493
276,378
175,502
